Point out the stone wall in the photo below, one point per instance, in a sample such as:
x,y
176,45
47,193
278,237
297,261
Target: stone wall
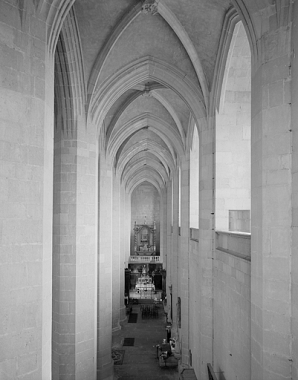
x,y
195,300
231,316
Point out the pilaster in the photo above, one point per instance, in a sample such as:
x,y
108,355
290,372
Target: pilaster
x,y
26,183
116,255
175,253
127,225
205,254
104,321
271,342
169,253
163,227
183,260
74,258
123,238
294,266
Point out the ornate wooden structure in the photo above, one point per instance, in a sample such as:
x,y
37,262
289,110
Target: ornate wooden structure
x,y
144,239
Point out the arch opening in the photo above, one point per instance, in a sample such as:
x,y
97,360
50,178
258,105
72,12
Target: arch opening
x,y
233,129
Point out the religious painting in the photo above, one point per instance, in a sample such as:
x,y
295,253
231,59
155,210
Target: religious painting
x,y
144,239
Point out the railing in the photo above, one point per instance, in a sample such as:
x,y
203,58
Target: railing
x,y
211,374
145,259
194,234
234,243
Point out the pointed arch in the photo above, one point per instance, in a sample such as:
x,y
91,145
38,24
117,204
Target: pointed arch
x,y
70,87
247,20
137,165
162,154
232,134
157,125
73,55
139,181
231,19
148,175
55,12
156,96
69,71
190,132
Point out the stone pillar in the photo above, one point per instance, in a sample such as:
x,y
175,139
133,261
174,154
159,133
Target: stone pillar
x,y
127,218
74,256
183,260
169,253
104,320
205,259
168,226
123,238
26,185
294,101
86,251
116,256
86,258
175,251
163,227
271,202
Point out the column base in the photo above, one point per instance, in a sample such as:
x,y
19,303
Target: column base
x,y
106,372
123,317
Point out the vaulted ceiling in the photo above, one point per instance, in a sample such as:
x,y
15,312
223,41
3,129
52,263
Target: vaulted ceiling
x,y
149,67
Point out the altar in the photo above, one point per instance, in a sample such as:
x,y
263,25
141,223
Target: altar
x,y
144,284
144,239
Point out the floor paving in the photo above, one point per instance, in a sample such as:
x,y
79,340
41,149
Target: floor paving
x,y
140,361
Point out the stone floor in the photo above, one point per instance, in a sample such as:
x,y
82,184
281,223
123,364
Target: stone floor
x,y
140,361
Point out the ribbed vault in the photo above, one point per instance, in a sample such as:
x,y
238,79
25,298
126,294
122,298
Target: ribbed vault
x,y
143,101
149,68
142,113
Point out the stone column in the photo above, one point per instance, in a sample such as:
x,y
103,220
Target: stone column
x,y
294,102
163,227
168,226
26,185
123,238
175,252
271,202
116,255
86,258
74,256
86,250
183,260
104,321
205,259
169,253
127,218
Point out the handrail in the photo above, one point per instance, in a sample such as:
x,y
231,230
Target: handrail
x,y
211,373
194,234
234,243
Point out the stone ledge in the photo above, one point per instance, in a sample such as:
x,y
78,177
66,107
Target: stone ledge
x,y
187,374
